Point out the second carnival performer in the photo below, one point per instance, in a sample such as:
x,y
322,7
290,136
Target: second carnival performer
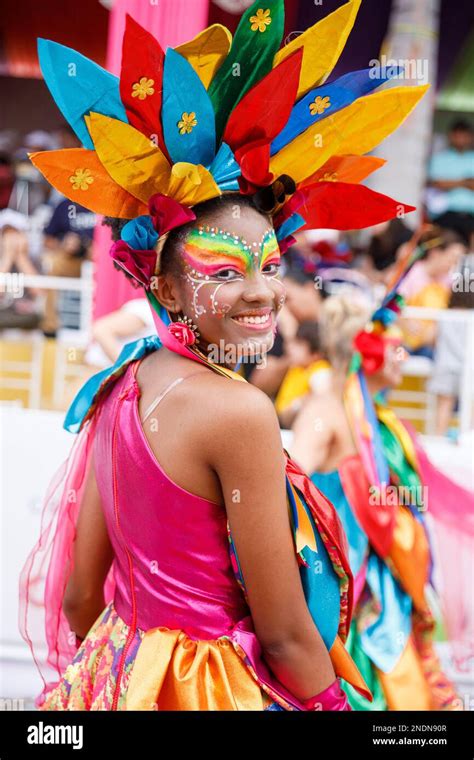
x,y
186,563
373,470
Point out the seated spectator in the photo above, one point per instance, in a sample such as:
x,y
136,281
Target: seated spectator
x,y
68,239
428,284
308,371
18,306
450,357
451,174
381,252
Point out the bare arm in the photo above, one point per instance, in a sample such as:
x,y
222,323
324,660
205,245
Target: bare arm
x,y
246,453
312,437
84,599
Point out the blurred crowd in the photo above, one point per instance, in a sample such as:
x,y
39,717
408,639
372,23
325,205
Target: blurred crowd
x,y
42,233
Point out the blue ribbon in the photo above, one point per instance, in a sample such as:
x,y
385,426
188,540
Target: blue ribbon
x,y
96,384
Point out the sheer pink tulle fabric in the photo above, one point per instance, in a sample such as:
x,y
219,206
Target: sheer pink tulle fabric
x,y
451,511
46,572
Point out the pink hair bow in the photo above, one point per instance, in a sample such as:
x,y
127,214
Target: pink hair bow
x,y
139,264
167,213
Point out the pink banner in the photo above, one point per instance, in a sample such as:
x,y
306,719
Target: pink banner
x,y
171,22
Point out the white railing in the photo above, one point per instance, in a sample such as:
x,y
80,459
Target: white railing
x,y
31,369
82,285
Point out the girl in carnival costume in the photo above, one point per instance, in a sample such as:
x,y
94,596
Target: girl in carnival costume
x,y
185,562
393,503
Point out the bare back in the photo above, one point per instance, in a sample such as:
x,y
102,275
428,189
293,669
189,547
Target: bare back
x,y
175,428
322,436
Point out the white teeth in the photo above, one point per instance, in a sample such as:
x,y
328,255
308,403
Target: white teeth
x,y
253,320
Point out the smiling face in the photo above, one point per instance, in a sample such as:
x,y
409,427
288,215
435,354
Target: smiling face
x,y
229,283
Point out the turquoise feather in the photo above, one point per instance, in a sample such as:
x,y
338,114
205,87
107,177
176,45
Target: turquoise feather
x,y
225,169
183,92
78,85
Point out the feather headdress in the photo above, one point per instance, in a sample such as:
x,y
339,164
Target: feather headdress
x,y
219,114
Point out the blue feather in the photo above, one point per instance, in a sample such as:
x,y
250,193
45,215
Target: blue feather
x,y
341,93
78,85
183,92
225,169
290,225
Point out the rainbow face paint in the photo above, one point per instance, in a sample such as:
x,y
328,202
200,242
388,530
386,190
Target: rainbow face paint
x,y
210,252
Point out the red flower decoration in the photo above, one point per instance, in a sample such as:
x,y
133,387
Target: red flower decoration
x,y
139,264
371,347
182,333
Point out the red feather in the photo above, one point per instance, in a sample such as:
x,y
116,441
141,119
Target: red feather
x,y
253,160
261,115
142,56
344,206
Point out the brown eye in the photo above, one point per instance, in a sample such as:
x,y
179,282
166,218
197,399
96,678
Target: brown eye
x,y
271,268
228,274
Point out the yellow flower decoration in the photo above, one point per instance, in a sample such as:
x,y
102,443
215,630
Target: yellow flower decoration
x,y
81,179
329,177
143,88
188,121
261,20
319,105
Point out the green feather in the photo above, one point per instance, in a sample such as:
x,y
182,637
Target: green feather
x,y
250,58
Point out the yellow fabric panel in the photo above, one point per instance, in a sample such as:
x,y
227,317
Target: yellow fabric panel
x,y
174,672
373,117
130,158
207,51
78,174
323,44
405,687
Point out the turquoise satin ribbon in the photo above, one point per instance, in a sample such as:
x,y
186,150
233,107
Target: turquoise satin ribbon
x,y
330,484
95,386
385,640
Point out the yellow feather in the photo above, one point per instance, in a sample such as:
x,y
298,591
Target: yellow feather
x,y
356,129
374,117
131,159
323,44
207,51
312,148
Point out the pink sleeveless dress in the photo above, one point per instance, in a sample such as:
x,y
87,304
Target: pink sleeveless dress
x,y
178,633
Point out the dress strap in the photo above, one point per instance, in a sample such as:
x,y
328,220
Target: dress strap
x,y
168,388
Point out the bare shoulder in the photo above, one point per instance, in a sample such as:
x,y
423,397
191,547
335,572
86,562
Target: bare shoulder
x,y
233,411
231,399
